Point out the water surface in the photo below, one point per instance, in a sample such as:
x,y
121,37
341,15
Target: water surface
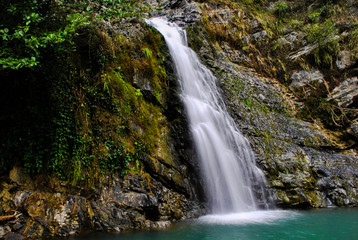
x,y
311,224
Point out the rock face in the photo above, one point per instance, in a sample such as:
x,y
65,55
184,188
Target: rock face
x,y
184,12
303,78
344,60
297,157
346,93
137,201
165,188
303,164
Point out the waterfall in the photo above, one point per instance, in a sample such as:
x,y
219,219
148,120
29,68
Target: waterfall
x,y
226,159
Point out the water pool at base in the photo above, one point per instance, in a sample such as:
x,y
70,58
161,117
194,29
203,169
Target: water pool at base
x,y
311,224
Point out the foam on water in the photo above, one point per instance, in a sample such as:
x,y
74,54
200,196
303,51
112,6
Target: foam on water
x,y
243,218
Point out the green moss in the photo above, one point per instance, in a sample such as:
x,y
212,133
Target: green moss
x,y
353,39
89,120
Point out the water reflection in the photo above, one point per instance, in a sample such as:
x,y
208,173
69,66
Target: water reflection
x,y
327,224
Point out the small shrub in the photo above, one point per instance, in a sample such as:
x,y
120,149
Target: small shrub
x,y
353,40
280,9
323,34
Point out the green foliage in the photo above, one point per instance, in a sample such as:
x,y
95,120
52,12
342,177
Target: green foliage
x,y
147,52
24,34
72,110
247,101
115,9
117,160
280,8
320,32
314,16
323,34
353,40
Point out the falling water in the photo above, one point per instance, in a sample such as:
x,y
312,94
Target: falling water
x,y
226,159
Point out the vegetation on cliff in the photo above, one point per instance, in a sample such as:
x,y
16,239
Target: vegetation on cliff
x,y
280,38
90,109
70,107
302,133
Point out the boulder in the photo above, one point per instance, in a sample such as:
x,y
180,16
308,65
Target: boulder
x,y
293,39
184,12
13,236
2,232
346,93
18,176
344,60
353,128
259,36
303,78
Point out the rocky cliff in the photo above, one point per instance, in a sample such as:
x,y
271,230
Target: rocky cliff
x,y
289,92
137,167
292,115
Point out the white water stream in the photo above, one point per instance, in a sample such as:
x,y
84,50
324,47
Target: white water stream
x,y
226,159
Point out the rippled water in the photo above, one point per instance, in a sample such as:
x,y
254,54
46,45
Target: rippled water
x,y
312,224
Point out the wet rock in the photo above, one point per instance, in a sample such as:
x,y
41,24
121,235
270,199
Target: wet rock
x,y
338,197
66,224
246,39
322,171
145,88
138,200
346,93
184,12
296,156
116,207
174,3
161,224
292,37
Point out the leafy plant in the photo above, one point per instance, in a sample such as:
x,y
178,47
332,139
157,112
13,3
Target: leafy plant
x,y
353,40
323,34
23,33
115,9
280,8
147,52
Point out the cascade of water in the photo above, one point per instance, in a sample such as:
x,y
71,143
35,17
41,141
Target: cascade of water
x,y
226,159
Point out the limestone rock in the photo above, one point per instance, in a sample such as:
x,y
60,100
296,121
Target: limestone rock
x,y
13,236
353,128
303,78
138,200
2,232
346,93
145,88
293,39
296,156
344,60
184,12
20,197
259,36
18,176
